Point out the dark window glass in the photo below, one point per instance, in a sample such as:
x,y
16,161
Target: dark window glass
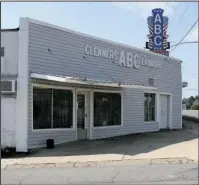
x,y
107,109
149,107
52,108
42,102
62,108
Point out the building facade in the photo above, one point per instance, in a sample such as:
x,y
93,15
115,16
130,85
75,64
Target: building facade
x,y
72,86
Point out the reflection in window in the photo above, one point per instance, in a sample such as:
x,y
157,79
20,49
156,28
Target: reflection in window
x,y
107,109
149,107
52,108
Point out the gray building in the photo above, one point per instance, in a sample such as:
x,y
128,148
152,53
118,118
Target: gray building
x,y
71,86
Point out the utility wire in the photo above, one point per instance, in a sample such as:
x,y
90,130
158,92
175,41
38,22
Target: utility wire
x,y
177,6
185,35
190,42
191,89
183,14
166,5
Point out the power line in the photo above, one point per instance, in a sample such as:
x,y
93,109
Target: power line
x,y
191,89
177,6
166,5
185,35
183,14
190,42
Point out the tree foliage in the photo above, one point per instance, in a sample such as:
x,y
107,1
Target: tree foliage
x,y
191,102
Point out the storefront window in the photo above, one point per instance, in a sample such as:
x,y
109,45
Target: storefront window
x,y
52,108
149,107
107,109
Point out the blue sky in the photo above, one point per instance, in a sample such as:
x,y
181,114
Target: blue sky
x,y
122,22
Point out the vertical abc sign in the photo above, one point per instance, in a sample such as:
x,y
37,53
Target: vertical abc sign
x,y
157,24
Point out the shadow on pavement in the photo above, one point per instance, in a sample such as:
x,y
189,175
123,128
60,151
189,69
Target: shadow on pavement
x,y
132,144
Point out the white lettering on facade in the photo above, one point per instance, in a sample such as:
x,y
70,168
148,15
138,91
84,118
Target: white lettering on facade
x,y
135,61
126,60
129,60
122,59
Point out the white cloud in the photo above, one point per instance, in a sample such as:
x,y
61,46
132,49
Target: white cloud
x,y
144,8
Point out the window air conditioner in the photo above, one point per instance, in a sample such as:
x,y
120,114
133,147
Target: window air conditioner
x,y
8,86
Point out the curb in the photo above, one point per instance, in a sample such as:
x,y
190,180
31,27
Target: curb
x,y
101,163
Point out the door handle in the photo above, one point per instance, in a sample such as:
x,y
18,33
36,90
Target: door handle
x,y
162,112
86,115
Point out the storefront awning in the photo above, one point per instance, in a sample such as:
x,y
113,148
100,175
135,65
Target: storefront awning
x,y
92,82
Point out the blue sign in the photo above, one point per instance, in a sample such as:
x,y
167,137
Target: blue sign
x,y
157,24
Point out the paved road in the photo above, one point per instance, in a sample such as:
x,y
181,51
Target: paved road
x,y
112,174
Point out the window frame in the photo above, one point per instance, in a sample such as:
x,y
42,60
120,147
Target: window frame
x,y
45,86
155,106
111,126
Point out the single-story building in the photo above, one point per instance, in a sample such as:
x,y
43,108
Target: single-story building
x,y
63,85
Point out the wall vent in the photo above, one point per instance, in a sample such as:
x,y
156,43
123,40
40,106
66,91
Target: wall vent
x,y
151,82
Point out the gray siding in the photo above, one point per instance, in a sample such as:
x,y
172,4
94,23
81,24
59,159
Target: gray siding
x,y
67,60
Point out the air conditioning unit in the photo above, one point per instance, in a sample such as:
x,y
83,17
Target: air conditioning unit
x,y
8,86
184,84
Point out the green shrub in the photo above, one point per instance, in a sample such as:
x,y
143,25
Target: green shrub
x,y
195,107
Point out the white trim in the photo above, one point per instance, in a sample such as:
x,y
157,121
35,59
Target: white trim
x,y
101,39
107,91
70,80
54,87
89,82
46,86
122,110
91,114
85,92
108,127
170,108
150,122
156,107
22,88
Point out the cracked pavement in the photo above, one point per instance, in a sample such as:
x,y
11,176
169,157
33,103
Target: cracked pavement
x,y
111,173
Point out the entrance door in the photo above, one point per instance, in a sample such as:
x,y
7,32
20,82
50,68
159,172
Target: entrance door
x,y
163,111
81,116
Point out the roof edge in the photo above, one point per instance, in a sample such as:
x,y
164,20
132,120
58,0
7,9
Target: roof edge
x,y
42,23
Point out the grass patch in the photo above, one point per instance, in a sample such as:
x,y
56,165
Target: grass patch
x,y
192,119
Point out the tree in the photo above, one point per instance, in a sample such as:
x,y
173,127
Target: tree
x,y
191,100
195,107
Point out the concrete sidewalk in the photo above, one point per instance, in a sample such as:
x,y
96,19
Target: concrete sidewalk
x,y
179,144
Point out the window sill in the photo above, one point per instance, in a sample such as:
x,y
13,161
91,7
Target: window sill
x,y
150,122
108,127
53,130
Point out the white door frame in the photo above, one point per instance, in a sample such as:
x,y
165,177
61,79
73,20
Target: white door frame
x,y
169,106
87,93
